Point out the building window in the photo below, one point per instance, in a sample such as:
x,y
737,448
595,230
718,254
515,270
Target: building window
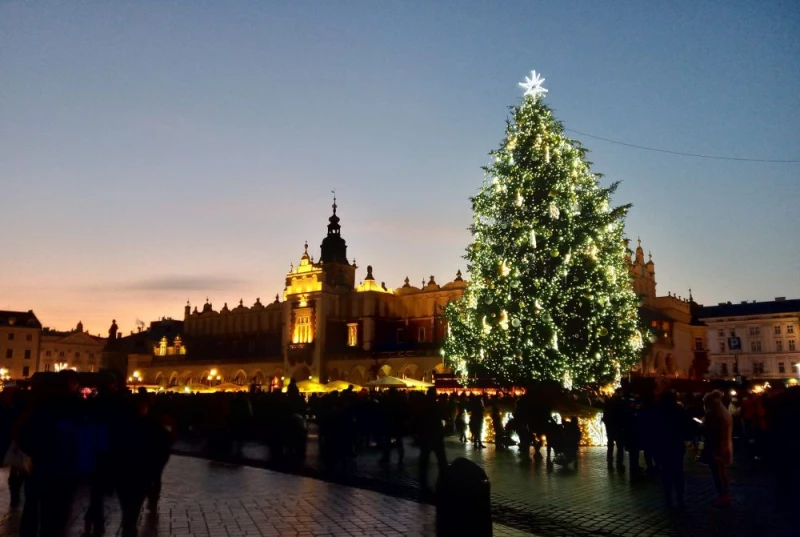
x,y
791,345
47,353
721,332
352,335
755,346
27,354
29,337
724,369
9,353
777,329
47,367
778,345
302,330
26,371
781,368
721,345
77,355
758,368
698,344
421,334
61,354
400,335
755,330
91,356
790,329
11,336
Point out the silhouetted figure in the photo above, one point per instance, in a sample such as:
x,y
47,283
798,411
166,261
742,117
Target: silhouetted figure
x,y
672,427
614,419
718,448
394,407
431,436
106,414
51,437
476,409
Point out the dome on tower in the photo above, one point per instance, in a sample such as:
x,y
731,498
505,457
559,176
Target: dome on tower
x,y
333,247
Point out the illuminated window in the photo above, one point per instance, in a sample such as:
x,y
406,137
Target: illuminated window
x,y
778,345
777,330
352,335
421,334
755,346
791,345
302,330
162,346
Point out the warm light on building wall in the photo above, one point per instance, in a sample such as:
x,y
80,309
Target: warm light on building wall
x,y
302,330
352,335
372,285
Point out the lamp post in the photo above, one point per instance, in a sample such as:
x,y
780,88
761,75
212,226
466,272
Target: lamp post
x,y
134,379
4,376
212,376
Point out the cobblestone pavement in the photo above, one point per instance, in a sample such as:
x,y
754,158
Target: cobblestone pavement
x,y
210,499
585,501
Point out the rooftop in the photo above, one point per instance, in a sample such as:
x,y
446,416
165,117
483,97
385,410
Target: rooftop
x,y
780,305
21,319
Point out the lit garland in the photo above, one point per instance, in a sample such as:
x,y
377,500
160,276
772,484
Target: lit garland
x,y
549,295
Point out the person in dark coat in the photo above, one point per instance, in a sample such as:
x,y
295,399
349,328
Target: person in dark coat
x,y
614,418
672,427
431,436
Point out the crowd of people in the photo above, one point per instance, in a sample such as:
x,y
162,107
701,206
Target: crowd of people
x,y
659,427
58,439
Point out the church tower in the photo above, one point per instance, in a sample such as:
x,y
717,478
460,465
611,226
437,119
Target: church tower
x,y
644,275
339,273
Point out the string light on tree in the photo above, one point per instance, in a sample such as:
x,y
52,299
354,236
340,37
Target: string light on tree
x,y
549,296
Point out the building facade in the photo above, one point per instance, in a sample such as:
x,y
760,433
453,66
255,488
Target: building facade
x,y
330,326
677,337
20,333
74,349
325,327
767,332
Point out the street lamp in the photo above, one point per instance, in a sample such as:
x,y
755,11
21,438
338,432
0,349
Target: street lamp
x,y
213,376
4,376
60,366
135,379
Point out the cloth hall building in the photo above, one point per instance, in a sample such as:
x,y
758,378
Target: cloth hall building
x,y
325,327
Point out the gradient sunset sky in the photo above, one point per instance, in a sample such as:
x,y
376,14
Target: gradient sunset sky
x,y
157,151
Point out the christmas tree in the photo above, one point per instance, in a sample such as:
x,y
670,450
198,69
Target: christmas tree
x,y
549,296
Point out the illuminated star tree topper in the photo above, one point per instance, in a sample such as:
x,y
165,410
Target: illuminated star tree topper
x,y
533,85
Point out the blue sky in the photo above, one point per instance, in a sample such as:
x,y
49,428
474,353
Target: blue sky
x,y
158,151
